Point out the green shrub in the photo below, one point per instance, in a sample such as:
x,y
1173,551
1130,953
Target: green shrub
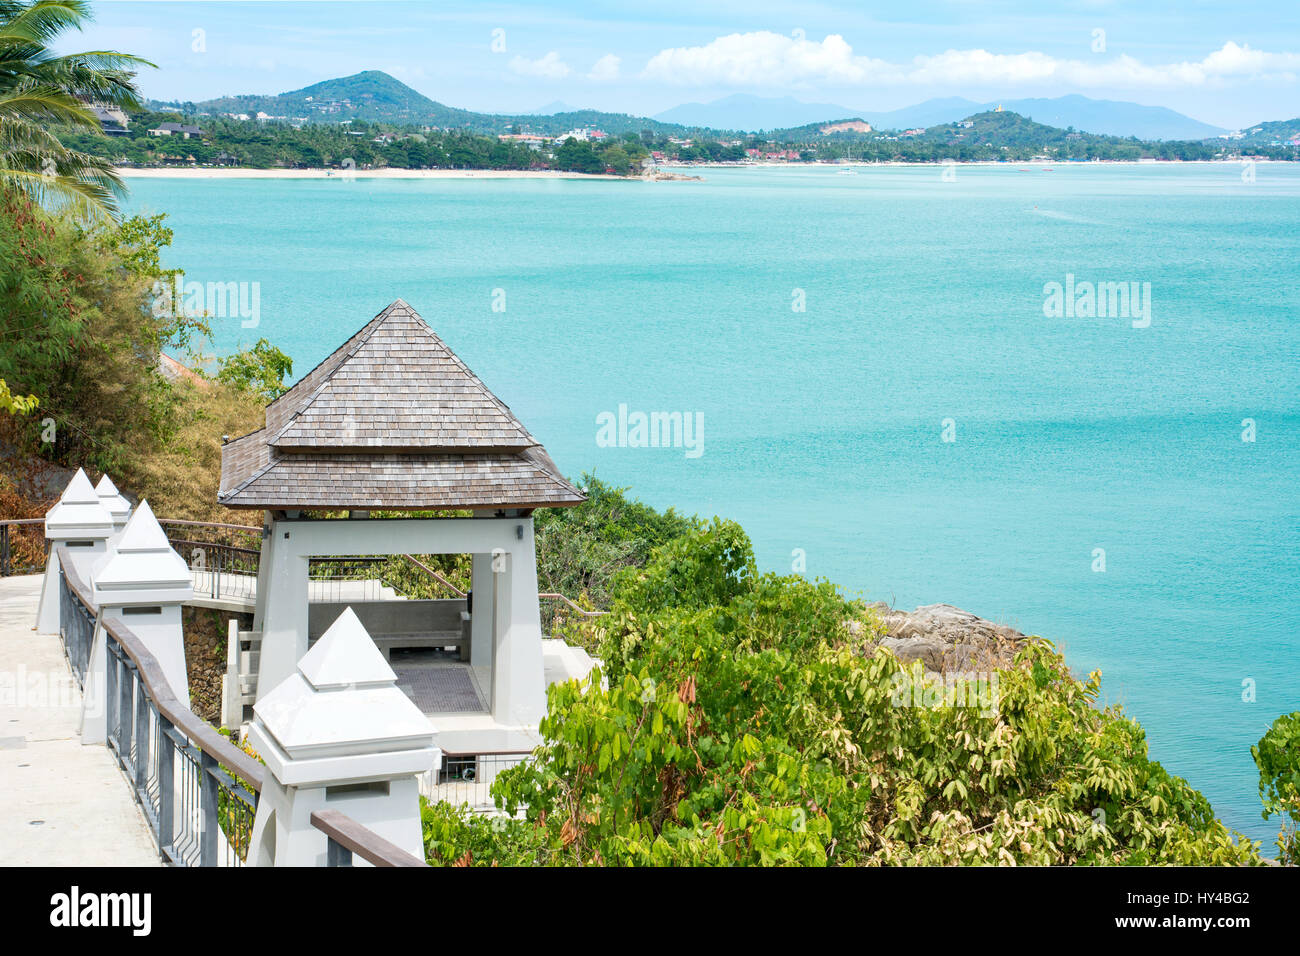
x,y
1277,755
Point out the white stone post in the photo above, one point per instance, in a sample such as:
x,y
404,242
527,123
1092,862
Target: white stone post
x,y
337,734
82,524
518,681
144,585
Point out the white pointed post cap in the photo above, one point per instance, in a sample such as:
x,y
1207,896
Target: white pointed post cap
x,y
117,506
341,717
79,512
145,569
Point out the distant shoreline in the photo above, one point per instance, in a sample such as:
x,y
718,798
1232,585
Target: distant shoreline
x,y
672,170
232,172
866,164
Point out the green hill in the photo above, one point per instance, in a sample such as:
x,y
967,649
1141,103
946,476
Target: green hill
x,y
1276,133
374,96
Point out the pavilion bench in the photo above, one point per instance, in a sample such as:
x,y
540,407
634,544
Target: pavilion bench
x,y
401,624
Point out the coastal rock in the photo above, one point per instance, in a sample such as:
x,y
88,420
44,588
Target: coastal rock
x,y
946,638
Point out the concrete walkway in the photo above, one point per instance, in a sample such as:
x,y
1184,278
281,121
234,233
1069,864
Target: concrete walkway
x,y
61,804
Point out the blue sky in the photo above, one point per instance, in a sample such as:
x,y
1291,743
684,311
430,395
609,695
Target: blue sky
x,y
1226,63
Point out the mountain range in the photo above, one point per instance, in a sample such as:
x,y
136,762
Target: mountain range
x,y
376,96
1105,117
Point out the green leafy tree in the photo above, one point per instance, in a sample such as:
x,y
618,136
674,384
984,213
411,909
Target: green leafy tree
x,y
746,719
16,404
1277,755
575,155
260,370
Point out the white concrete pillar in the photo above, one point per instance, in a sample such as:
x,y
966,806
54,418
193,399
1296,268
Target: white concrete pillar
x,y
337,734
81,524
144,585
483,584
282,597
264,569
518,678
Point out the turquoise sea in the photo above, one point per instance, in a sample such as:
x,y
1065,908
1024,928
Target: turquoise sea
x,y
823,429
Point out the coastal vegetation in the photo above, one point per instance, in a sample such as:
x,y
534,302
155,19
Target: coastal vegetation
x,y
83,338
986,137
752,719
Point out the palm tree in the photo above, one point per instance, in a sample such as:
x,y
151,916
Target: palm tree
x,y
39,90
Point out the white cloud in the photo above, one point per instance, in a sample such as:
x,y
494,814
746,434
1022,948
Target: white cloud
x,y
763,59
605,69
773,60
549,67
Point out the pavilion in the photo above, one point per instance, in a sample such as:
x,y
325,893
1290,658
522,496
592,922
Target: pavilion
x,y
392,420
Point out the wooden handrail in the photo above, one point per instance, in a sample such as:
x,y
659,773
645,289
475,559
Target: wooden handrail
x,y
219,748
362,841
560,597
250,528
435,575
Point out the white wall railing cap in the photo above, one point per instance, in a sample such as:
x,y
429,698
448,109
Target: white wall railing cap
x,y
343,702
145,569
79,513
111,499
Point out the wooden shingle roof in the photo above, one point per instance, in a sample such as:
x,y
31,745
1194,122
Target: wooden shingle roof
x,y
391,419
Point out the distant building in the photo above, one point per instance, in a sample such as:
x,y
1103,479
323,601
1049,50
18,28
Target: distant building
x,y
180,129
531,140
111,119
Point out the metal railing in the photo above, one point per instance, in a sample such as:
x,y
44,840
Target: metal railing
x,y
76,624
223,558
347,837
467,778
198,791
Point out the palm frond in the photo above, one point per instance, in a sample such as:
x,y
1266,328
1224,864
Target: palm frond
x,y
39,90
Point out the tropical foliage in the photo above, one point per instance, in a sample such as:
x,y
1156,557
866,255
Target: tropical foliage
x,y
1277,755
82,340
39,89
745,718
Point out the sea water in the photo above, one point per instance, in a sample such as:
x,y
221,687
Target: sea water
x,y
884,393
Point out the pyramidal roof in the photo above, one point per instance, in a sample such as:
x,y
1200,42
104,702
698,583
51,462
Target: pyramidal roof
x,y
345,656
79,491
144,562
391,419
393,385
79,512
109,497
143,533
343,701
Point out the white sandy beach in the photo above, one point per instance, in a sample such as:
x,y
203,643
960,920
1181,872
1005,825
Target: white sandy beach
x,y
226,172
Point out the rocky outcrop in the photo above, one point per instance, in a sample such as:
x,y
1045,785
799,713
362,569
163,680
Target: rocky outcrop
x,y
945,638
